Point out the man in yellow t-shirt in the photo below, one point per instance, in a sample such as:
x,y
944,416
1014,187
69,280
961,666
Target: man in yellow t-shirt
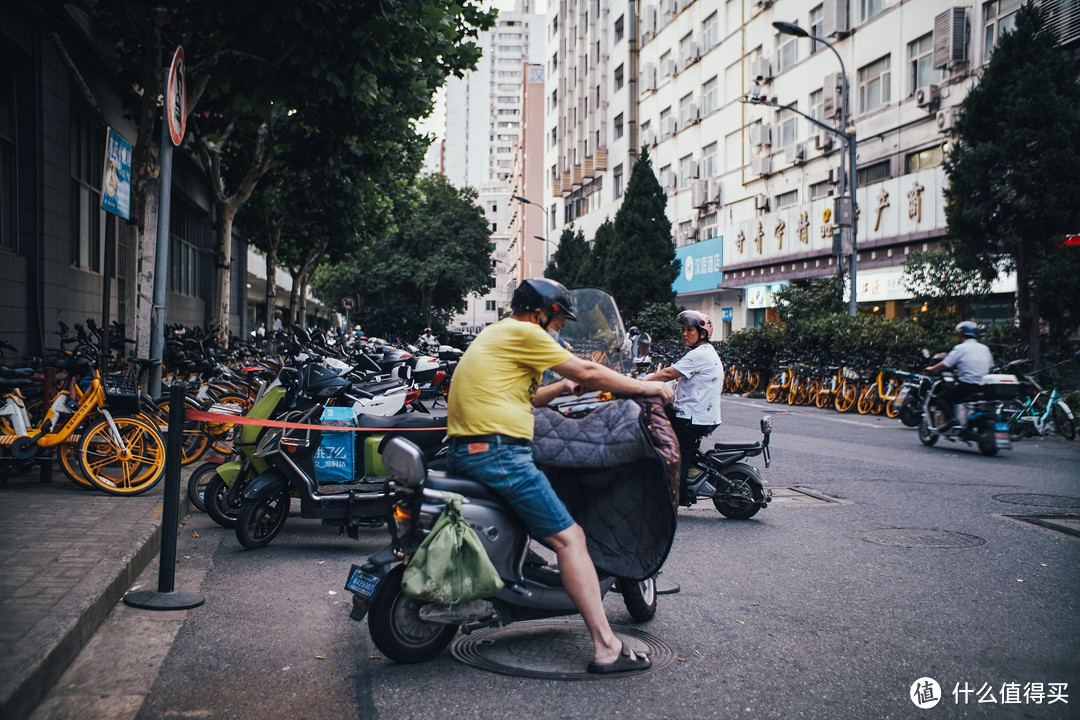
x,y
490,424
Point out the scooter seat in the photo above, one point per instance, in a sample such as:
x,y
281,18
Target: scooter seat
x,y
735,447
471,489
394,422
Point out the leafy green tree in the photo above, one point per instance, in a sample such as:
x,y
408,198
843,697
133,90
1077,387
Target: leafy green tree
x,y
595,270
570,261
1015,175
802,300
641,264
422,273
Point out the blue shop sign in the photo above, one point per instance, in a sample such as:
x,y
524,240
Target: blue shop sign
x,y
702,265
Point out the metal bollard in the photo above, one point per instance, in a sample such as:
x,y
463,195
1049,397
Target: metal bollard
x,y
165,597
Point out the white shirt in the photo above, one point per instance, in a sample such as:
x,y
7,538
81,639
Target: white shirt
x,y
971,360
697,395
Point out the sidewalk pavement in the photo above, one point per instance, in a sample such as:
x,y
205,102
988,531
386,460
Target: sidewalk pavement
x,y
67,556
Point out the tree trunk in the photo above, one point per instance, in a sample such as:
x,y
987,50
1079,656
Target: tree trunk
x,y
271,275
146,247
222,291
294,296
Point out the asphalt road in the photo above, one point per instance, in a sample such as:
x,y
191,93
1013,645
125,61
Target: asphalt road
x,y
812,609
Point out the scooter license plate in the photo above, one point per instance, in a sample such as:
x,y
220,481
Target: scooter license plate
x,y
361,583
1001,435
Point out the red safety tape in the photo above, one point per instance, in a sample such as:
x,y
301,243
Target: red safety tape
x,y
240,420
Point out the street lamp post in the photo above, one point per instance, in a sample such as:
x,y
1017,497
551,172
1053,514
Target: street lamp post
x,y
848,180
543,222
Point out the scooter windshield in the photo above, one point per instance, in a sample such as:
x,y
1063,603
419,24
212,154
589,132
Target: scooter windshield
x,y
598,332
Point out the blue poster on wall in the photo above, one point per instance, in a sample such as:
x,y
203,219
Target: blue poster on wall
x,y
701,266
116,183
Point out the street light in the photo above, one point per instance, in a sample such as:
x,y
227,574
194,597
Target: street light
x,y
849,180
543,222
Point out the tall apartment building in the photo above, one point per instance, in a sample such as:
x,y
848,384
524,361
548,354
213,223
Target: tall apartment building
x,y
484,139
751,188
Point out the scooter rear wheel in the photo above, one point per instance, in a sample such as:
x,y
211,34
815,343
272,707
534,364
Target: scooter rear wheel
x,y
259,521
216,500
396,628
739,504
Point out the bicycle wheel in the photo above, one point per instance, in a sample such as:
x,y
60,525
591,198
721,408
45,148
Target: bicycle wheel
x,y
824,396
195,439
1063,421
218,431
67,453
845,397
812,392
130,465
774,390
866,399
750,381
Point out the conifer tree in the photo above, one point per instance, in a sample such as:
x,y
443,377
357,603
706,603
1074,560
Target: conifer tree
x,y
595,271
568,263
1015,175
641,266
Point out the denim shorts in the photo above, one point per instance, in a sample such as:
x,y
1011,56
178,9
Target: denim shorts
x,y
510,471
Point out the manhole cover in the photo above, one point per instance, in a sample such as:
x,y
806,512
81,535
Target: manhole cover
x,y
921,538
1038,500
790,496
1068,524
550,649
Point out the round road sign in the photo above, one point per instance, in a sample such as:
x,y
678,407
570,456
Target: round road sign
x,y
176,98
348,303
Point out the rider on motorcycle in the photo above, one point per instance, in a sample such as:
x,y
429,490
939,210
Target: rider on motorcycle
x,y
697,396
970,360
490,424
428,342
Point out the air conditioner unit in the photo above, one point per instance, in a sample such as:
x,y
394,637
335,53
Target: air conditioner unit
x,y
761,69
833,95
670,7
836,19
649,137
761,166
761,135
761,202
699,193
648,20
823,141
669,68
648,77
946,119
714,191
692,54
689,115
950,37
670,126
795,154
692,168
927,96
670,179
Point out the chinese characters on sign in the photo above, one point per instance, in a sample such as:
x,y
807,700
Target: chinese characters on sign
x,y
116,184
926,693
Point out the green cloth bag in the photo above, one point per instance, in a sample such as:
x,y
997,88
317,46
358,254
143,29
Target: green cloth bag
x,y
451,566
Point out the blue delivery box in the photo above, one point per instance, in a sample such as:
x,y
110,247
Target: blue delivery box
x,y
335,460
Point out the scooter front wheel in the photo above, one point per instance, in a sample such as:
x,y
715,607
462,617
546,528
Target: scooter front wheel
x,y
259,521
639,597
396,628
927,435
216,500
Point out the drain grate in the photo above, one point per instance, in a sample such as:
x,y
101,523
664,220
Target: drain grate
x,y
921,538
550,649
1068,524
799,496
1063,501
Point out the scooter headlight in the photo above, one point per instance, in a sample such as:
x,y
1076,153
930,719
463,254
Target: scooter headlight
x,y
269,443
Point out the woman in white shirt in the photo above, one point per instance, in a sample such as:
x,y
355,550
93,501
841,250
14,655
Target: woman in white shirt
x,y
700,376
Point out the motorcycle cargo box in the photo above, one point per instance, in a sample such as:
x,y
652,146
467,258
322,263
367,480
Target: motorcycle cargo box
x,y
1000,387
335,458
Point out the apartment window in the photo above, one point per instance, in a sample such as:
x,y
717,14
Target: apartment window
x,y
874,173
554,136
684,109
619,77
821,189
667,67
817,27
687,170
874,85
508,99
87,219
710,161
554,99
921,61
665,124
787,51
1000,15
685,47
787,199
923,159
8,231
686,233
710,32
817,105
619,29
185,250
709,226
870,8
787,127
710,96
665,177
618,123
554,63
617,181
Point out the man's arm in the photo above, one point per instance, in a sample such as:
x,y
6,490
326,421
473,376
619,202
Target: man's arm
x,y
594,376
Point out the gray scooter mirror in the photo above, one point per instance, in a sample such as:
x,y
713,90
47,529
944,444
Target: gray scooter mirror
x,y
766,424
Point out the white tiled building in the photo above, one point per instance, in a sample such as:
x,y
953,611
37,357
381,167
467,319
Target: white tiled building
x,y
751,188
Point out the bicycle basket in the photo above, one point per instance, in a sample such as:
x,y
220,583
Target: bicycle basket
x,y
122,394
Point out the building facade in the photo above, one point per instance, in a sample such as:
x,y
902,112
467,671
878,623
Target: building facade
x,y
751,187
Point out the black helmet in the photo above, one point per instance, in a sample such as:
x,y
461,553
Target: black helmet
x,y
700,320
542,294
633,331
967,329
